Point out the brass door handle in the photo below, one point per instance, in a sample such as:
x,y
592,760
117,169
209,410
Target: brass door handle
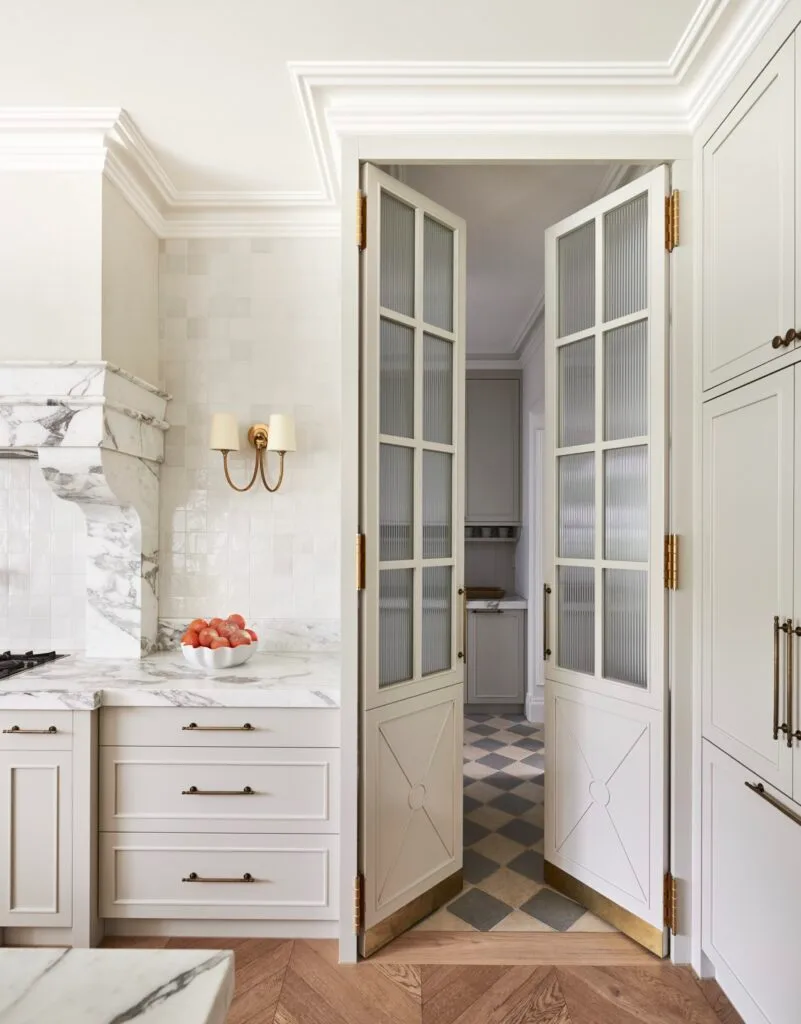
x,y
782,342
194,727
759,789
546,650
787,726
194,791
193,876
15,730
776,629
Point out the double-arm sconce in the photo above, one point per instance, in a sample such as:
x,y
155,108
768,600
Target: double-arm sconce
x,y
278,436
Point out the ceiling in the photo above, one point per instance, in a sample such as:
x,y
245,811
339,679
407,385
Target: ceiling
x,y
207,81
507,209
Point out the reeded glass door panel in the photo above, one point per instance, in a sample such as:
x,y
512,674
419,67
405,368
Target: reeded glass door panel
x,y
396,503
625,636
397,255
437,390
395,626
437,600
626,504
437,274
626,258
577,393
577,505
397,379
577,280
626,381
576,618
437,504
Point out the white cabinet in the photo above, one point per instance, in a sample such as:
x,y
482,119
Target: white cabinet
x,y
496,656
35,821
492,447
752,890
750,226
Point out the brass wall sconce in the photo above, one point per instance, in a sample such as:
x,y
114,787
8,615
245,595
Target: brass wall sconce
x,y
277,436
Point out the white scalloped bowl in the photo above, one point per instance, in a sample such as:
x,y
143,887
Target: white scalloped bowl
x,y
222,657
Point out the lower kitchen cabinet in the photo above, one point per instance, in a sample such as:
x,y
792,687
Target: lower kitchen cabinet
x,y
752,890
496,656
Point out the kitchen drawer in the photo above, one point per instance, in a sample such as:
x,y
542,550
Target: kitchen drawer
x,y
219,727
30,730
145,876
145,789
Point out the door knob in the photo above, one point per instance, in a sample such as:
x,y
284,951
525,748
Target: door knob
x,y
782,342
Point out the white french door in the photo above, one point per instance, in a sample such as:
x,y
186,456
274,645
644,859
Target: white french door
x,y
412,514
606,829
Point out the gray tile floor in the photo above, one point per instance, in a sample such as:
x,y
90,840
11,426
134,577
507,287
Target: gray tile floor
x,y
503,831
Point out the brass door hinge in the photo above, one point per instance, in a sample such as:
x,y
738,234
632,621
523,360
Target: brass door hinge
x,y
671,561
671,904
358,890
361,221
360,561
672,220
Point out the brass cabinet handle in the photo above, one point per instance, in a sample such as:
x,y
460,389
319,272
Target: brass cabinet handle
x,y
546,650
193,876
194,727
782,342
776,629
194,791
759,789
788,727
17,731
463,653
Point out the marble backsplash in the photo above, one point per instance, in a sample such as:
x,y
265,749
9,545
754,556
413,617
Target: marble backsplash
x,y
273,634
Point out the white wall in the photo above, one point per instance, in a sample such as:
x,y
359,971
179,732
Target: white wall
x,y
130,288
50,279
252,327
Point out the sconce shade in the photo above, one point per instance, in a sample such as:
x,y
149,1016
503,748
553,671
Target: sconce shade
x,y
224,433
281,435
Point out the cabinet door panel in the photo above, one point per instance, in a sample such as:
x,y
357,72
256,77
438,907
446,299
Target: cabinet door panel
x,y
36,838
496,657
749,226
748,565
752,891
493,450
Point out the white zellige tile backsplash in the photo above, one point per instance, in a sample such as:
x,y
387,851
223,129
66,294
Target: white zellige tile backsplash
x,y
251,326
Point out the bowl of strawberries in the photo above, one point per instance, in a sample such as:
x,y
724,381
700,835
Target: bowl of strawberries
x,y
214,644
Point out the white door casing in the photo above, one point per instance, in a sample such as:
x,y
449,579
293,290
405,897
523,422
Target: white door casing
x,y
412,513
604,523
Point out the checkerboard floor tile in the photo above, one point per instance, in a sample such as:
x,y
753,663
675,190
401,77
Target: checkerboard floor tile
x,y
504,793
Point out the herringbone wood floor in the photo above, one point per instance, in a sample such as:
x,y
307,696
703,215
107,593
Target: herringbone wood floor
x,y
299,982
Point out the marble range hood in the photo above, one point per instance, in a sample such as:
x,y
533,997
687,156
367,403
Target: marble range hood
x,y
99,435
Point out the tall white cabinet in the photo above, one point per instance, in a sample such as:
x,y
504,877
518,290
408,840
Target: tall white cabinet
x,y
751,544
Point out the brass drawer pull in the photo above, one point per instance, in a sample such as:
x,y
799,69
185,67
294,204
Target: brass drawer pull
x,y
546,650
194,727
194,791
759,789
15,730
782,342
193,876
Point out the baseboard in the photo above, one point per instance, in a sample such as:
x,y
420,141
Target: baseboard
x,y
223,929
535,708
39,936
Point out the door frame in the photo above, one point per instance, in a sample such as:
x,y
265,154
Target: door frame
x,y
529,147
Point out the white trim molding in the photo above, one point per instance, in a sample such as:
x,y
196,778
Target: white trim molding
x,y
345,99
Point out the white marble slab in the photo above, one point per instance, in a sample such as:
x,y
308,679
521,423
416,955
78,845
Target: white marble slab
x,y
269,680
511,602
115,986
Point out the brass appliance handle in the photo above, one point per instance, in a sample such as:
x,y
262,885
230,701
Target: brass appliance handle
x,y
193,876
194,791
759,789
462,654
788,728
776,628
194,727
15,730
546,650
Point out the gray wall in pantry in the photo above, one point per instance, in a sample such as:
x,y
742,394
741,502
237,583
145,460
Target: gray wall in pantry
x,y
490,565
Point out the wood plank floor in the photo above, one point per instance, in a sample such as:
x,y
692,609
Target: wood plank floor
x,y
299,982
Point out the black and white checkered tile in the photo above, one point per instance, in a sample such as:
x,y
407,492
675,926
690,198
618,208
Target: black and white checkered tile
x,y
503,832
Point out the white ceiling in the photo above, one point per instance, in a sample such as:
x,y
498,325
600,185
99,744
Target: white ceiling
x,y
207,82
507,209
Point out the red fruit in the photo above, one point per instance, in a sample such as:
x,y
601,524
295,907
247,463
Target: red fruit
x,y
221,641
251,634
197,625
227,629
237,620
190,638
240,638
205,636
216,623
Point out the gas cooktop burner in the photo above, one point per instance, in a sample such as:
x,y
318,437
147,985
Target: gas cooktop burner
x,y
10,663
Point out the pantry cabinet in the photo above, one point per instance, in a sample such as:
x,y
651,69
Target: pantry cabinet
x,y
496,656
492,446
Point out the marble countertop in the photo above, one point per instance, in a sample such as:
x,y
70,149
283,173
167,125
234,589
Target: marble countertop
x,y
101,986
511,602
271,680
